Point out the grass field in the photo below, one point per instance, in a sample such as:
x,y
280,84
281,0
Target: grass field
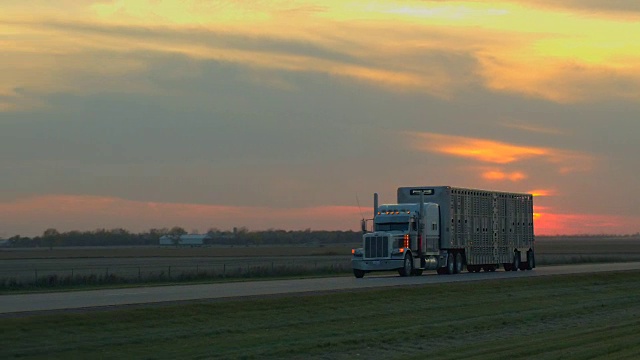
x,y
67,268
577,317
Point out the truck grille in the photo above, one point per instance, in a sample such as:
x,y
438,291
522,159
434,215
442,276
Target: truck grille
x,y
376,246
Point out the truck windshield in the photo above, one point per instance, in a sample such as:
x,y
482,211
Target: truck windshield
x,y
392,227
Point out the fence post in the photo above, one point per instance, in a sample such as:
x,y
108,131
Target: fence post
x,y
36,270
139,275
71,274
224,270
169,272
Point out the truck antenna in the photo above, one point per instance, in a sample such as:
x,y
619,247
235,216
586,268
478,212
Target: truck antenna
x,y
359,208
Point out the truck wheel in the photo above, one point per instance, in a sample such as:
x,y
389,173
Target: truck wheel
x,y
451,266
516,261
530,260
408,266
523,266
358,273
459,263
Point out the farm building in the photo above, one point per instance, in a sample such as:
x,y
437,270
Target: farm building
x,y
186,240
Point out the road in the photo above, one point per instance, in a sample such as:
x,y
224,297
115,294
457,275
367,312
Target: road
x,y
13,304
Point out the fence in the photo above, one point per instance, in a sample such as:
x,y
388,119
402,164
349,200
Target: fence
x,y
117,273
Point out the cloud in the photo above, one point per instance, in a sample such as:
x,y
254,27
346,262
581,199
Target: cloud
x,y
534,128
413,46
550,223
496,152
497,175
628,7
27,216
563,80
542,192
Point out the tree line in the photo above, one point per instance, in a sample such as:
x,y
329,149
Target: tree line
x,y
238,236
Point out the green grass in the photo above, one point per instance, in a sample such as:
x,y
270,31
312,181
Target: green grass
x,y
576,316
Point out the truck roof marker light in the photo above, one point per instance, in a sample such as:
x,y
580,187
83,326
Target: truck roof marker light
x,y
401,250
353,251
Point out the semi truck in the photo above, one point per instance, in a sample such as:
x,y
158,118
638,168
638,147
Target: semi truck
x,y
446,229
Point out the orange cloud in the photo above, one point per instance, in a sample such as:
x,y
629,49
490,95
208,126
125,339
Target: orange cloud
x,y
558,54
497,175
496,152
542,192
30,216
549,223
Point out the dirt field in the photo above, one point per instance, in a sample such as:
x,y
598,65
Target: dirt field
x,y
170,251
138,263
601,246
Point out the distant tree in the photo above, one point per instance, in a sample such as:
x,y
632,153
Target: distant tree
x,y
50,237
175,233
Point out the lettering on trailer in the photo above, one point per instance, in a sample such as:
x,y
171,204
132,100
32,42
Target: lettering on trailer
x,y
423,191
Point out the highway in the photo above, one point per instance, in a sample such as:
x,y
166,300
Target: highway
x,y
28,303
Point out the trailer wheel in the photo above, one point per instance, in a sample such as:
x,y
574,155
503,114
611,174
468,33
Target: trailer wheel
x,y
523,266
358,273
451,266
531,263
516,261
407,269
507,266
459,263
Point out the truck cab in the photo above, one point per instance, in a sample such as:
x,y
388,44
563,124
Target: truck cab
x,y
403,237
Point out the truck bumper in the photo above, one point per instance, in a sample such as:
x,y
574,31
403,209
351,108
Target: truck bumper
x,y
377,264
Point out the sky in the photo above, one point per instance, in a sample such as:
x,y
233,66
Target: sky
x,y
143,114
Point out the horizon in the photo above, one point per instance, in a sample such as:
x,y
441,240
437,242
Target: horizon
x,y
138,114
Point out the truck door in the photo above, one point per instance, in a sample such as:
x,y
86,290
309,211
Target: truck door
x,y
432,228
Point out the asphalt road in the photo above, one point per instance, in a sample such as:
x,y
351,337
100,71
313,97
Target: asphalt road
x,y
13,304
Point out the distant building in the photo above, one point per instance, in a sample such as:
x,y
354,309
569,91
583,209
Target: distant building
x,y
186,240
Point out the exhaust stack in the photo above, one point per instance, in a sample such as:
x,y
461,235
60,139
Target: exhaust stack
x,y
375,204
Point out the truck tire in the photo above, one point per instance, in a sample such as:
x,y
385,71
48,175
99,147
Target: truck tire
x,y
516,261
407,269
451,266
531,263
359,274
459,263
